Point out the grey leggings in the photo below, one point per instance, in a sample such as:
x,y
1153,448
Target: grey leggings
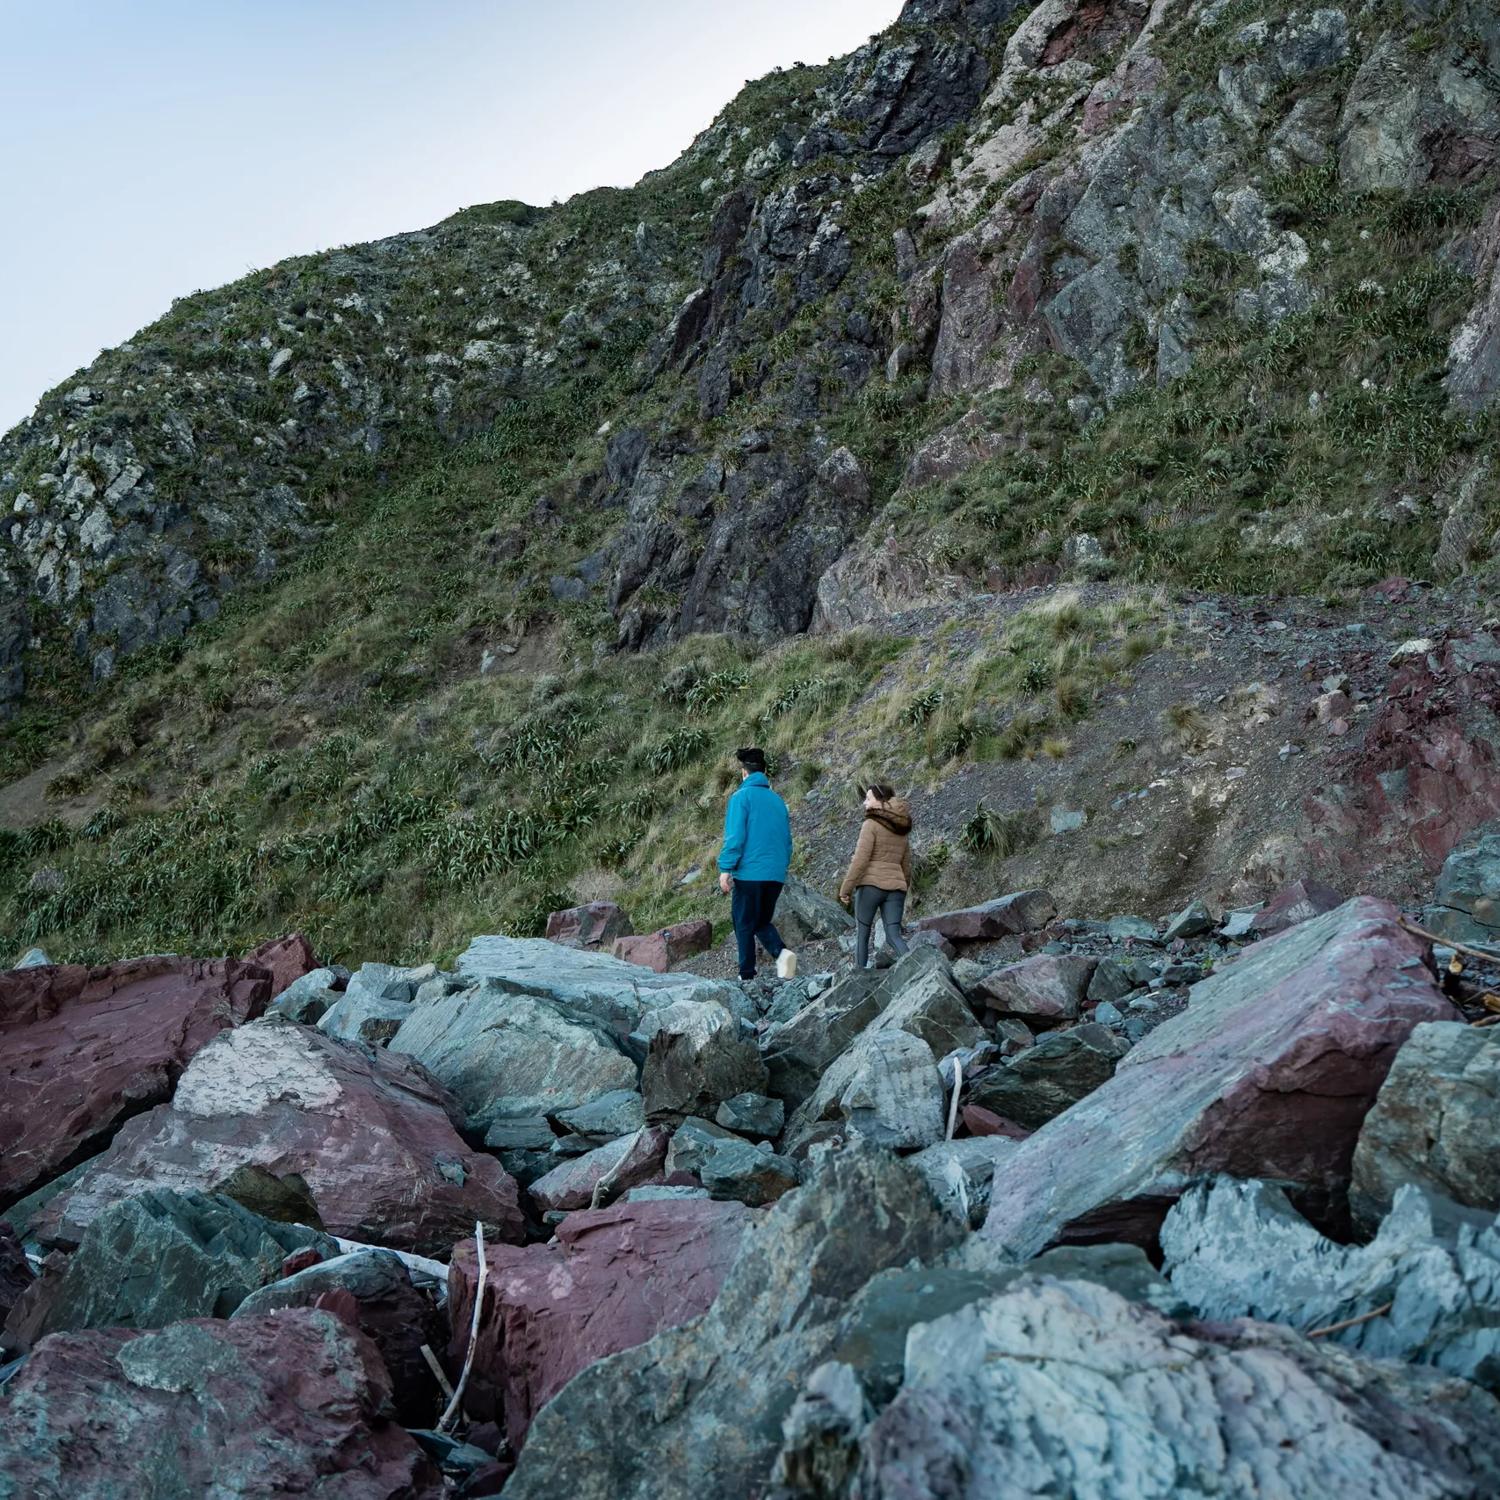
x,y
869,899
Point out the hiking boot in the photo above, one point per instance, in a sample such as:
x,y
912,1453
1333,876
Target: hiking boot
x,y
786,964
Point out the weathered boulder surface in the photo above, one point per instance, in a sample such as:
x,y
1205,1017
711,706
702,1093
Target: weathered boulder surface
x,y
1155,1411
804,915
1238,1249
625,1163
295,1404
388,1310
1292,904
157,1258
1040,1083
307,999
82,1050
595,925
885,1088
1021,911
1043,989
1269,1073
697,1410
371,1009
960,1172
616,994
1436,1123
611,1279
369,1135
1467,894
660,951
696,1060
916,994
750,1172
286,959
505,1055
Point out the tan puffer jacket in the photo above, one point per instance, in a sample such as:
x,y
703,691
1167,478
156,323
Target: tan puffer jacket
x,y
882,857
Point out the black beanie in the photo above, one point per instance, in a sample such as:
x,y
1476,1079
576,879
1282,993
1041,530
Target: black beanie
x,y
751,758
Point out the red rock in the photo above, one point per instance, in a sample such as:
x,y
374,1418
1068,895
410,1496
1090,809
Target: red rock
x,y
612,1278
84,1049
594,926
1022,911
661,950
981,1121
1136,75
1292,904
930,939
1268,1073
1426,774
287,959
15,1270
292,1404
370,1133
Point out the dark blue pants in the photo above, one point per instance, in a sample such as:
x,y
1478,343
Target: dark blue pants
x,y
752,905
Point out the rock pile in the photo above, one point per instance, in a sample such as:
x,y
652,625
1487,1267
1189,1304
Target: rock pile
x,y
730,1235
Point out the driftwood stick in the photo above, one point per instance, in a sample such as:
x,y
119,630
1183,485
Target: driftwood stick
x,y
1491,957
1317,1333
446,1420
437,1371
421,1265
958,1083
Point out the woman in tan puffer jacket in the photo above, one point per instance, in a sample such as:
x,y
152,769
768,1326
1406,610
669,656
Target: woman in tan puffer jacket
x,y
879,875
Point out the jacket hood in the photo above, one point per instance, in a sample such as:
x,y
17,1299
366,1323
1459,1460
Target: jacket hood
x,y
895,815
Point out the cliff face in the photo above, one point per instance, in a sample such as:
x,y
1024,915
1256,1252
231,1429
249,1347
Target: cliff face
x,y
968,260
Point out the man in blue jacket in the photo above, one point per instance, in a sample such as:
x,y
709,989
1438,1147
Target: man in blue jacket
x,y
753,863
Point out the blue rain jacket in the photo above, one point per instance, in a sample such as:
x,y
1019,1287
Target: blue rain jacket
x,y
757,832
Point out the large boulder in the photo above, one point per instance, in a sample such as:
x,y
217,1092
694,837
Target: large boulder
x,y
961,1172
372,1007
505,1055
611,1279
618,995
1269,1072
799,1049
1021,911
620,1165
697,1410
804,915
662,950
308,998
1467,895
82,1050
388,1310
367,1136
293,1404
916,994
1040,1083
696,1060
1436,1123
156,1258
1063,1387
285,959
1292,904
885,1088
1431,1275
594,925
1043,990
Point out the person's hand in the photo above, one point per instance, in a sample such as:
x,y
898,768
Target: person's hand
x,y
844,900
725,881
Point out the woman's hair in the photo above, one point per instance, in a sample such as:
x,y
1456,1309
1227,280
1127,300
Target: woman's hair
x,y
881,790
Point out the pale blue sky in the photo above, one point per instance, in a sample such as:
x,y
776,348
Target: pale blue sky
x,y
149,148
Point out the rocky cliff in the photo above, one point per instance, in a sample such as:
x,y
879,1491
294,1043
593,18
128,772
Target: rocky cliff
x,y
1075,285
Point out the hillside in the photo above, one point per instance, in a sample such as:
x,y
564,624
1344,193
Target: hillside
x,y
969,408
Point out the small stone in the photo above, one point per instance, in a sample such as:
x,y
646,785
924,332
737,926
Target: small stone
x,y
1192,921
752,1114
